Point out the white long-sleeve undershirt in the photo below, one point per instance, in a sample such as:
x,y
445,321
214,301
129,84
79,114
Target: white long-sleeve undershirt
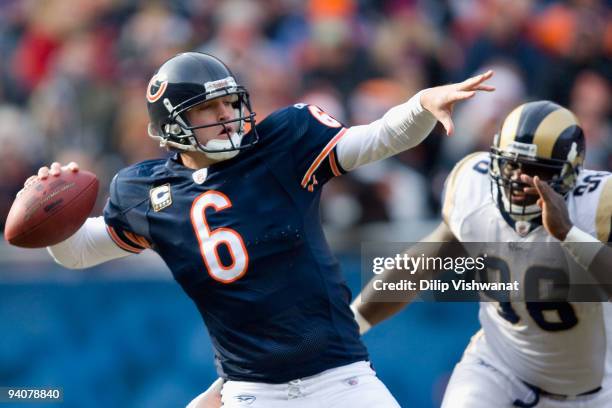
x,y
89,246
401,128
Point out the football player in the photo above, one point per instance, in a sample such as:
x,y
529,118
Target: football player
x,y
530,188
235,216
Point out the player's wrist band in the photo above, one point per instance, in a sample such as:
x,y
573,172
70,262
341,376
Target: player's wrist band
x,y
364,325
581,246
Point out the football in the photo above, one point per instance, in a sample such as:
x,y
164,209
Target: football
x,y
51,210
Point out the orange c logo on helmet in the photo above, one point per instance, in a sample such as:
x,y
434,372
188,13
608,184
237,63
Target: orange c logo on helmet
x,y
157,87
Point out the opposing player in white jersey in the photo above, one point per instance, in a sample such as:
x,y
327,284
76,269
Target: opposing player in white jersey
x,y
530,188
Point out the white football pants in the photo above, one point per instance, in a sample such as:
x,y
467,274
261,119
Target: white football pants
x,y
354,386
480,380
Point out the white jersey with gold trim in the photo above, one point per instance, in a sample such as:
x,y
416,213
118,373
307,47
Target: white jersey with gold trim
x,y
560,348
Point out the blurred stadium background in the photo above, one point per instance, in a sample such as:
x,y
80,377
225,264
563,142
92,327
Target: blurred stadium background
x,y
72,81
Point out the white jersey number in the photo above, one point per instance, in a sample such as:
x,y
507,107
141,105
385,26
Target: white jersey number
x,y
210,240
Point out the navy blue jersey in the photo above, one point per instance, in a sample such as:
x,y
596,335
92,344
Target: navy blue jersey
x,y
246,244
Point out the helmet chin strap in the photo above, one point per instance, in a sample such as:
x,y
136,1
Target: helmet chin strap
x,y
219,144
522,223
532,211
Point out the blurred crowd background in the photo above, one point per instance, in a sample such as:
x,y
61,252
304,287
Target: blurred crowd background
x,y
73,76
72,83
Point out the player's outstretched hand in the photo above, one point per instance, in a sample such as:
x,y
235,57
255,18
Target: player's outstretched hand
x,y
440,100
44,172
555,216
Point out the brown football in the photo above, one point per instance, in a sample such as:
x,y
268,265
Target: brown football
x,y
51,210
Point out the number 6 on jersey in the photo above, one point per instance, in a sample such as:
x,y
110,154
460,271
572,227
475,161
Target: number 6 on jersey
x,y
209,241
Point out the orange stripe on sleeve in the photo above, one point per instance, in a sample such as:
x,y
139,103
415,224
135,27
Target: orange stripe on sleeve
x,y
332,164
137,239
319,159
121,243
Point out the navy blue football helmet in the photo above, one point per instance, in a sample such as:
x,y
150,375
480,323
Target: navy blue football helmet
x,y
189,79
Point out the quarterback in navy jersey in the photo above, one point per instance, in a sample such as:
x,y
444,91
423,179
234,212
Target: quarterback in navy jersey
x,y
241,243
234,213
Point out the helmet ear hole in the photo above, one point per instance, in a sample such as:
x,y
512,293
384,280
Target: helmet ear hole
x,y
172,129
